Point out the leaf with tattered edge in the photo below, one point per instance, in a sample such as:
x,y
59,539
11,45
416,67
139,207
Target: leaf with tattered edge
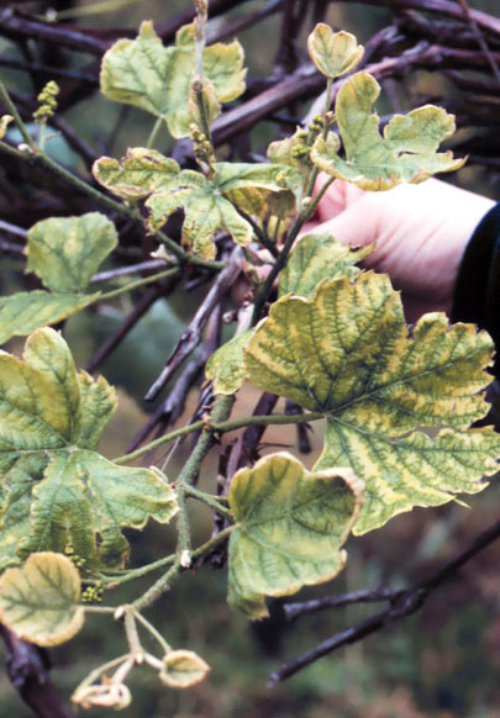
x,y
23,312
291,526
407,151
66,251
347,352
316,257
227,367
76,497
157,79
139,173
39,601
333,53
183,669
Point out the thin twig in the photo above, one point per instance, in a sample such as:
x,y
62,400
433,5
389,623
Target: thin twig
x,y
403,604
191,336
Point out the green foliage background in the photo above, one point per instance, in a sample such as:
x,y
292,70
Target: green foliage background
x,y
442,663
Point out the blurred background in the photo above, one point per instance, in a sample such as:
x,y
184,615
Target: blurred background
x,y
441,663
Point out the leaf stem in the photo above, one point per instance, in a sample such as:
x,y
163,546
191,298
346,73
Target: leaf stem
x,y
152,630
209,500
138,283
154,133
221,427
156,590
4,94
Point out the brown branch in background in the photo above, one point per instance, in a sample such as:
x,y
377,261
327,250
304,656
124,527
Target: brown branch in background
x,y
116,338
191,336
403,603
480,39
173,407
233,28
28,671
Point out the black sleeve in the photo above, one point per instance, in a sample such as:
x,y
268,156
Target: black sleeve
x,y
477,292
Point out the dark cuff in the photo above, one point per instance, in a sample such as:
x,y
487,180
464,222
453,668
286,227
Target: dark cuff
x,y
477,291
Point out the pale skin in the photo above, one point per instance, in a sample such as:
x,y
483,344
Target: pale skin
x,y
420,231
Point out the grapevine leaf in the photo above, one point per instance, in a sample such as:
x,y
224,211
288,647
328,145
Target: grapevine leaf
x,y
158,79
316,257
75,496
98,404
291,525
207,209
183,669
347,353
407,151
333,53
66,251
39,601
19,477
5,121
227,367
80,486
140,172
23,312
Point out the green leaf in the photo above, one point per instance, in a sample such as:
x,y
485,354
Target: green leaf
x,y
98,404
206,213
140,172
226,366
333,53
407,151
39,601
66,251
23,312
183,669
5,121
207,209
75,497
316,257
158,79
82,494
291,526
347,352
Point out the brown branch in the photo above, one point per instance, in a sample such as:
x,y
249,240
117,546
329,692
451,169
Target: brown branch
x,y
28,671
116,338
480,39
191,337
173,407
403,604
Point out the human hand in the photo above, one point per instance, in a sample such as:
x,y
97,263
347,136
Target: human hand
x,y
421,233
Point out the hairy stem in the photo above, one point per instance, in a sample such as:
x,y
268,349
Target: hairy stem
x,y
220,427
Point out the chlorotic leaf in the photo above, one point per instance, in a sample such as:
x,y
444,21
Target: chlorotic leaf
x,y
98,404
227,366
347,352
208,204
5,121
316,257
59,494
66,251
407,151
157,79
39,601
141,172
334,53
291,526
183,669
23,312
82,494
